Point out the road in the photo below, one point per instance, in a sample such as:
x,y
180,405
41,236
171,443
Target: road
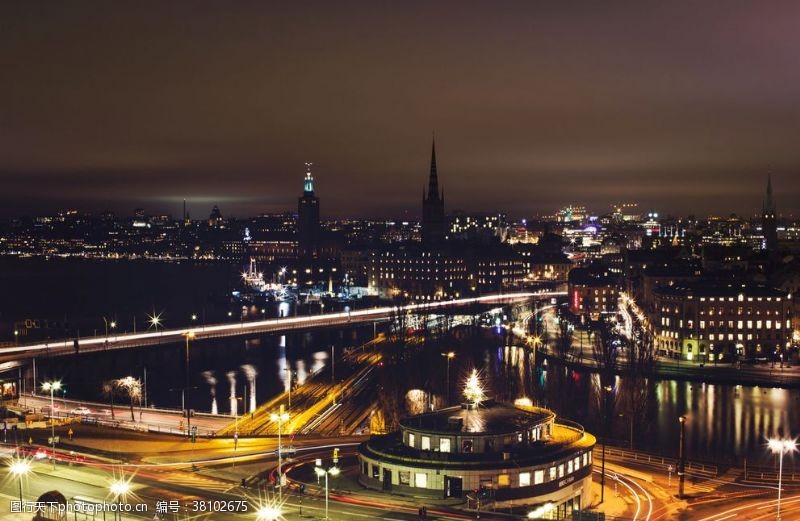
x,y
148,420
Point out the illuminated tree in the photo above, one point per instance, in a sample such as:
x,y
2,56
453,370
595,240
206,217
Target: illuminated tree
x,y
473,390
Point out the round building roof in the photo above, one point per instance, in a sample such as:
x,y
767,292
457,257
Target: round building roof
x,y
490,418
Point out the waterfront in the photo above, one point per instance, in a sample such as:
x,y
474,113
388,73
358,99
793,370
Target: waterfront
x,y
726,422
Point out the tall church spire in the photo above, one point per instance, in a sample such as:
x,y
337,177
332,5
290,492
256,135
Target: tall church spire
x,y
769,220
433,221
769,203
433,180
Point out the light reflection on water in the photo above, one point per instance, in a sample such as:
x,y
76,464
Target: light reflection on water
x,y
724,422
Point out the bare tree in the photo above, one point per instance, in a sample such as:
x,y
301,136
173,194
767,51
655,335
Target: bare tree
x,y
605,350
132,388
109,390
638,388
564,340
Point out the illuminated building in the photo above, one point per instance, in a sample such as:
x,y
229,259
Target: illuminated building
x,y
495,451
571,213
433,221
711,321
308,217
593,292
417,274
476,225
215,219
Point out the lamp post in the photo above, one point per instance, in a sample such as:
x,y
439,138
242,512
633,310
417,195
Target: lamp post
x,y
189,335
781,447
20,468
269,513
449,355
119,488
333,471
280,417
606,393
681,459
52,387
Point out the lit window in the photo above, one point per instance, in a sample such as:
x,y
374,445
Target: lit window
x,y
561,471
425,443
524,479
421,480
552,473
411,439
538,477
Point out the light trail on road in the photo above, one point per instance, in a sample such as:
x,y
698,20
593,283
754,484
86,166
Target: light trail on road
x,y
277,324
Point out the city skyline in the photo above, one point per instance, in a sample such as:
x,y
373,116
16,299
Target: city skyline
x,y
684,110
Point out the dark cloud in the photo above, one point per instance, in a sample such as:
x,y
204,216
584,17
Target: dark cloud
x,y
683,106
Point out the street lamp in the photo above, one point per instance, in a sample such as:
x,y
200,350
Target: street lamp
x,y
781,446
280,417
449,355
269,513
119,489
333,471
52,387
681,459
607,391
20,468
189,336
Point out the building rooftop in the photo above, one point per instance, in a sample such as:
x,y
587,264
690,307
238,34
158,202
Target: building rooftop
x,y
488,418
719,289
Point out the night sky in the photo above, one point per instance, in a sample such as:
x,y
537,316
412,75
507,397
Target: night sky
x,y
682,106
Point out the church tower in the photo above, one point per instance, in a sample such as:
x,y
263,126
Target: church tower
x,y
308,218
769,222
433,222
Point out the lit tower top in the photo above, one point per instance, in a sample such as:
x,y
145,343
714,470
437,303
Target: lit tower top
x,y
308,186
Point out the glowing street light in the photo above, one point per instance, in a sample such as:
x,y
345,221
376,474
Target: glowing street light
x,y
269,513
333,471
189,336
52,387
20,468
280,417
781,446
120,488
154,320
449,355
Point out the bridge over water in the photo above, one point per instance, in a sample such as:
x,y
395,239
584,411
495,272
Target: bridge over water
x,y
278,325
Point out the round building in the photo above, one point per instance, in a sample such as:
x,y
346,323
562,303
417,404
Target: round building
x,y
504,452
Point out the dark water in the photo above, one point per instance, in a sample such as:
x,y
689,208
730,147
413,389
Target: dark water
x,y
215,365
724,422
